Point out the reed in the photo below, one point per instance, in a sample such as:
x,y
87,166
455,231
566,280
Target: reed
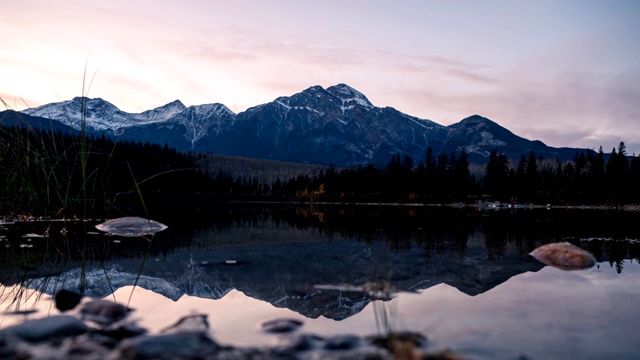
x,y
64,178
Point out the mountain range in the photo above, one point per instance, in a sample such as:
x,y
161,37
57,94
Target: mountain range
x,y
333,126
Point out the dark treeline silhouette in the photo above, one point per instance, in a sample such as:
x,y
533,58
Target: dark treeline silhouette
x,y
591,178
261,170
47,171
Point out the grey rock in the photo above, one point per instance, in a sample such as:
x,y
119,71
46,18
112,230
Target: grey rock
x,y
182,345
58,326
296,344
104,312
281,325
189,323
342,342
67,299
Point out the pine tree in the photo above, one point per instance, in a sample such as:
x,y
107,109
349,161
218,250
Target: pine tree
x,y
496,176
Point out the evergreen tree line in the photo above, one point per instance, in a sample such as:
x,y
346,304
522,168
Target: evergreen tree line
x,y
46,171
591,178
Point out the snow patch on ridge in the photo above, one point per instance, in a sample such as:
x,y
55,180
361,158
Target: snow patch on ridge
x,y
102,115
349,96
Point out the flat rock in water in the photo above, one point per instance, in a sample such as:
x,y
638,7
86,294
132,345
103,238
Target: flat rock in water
x,y
281,325
104,312
564,255
389,341
182,345
189,323
342,342
298,343
131,226
48,327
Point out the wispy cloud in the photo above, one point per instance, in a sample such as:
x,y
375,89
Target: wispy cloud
x,y
566,81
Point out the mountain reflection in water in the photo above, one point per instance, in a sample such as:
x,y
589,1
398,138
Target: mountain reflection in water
x,y
462,275
549,314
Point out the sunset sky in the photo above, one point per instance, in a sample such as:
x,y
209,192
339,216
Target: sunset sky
x,y
566,72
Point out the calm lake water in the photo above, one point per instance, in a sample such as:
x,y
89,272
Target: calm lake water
x,y
462,276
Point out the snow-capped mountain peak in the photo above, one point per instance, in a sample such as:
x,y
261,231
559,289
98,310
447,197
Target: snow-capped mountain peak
x,y
97,112
201,120
162,113
349,96
102,115
337,125
216,109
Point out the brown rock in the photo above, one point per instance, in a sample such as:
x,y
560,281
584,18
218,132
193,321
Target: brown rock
x,y
564,256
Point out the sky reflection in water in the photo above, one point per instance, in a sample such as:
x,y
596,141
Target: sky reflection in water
x,y
474,293
550,314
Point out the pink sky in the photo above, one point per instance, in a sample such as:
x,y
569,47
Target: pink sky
x,y
563,72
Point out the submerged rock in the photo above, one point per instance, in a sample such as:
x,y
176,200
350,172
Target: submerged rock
x,y
67,337
564,255
392,340
181,345
46,328
281,325
122,330
131,226
298,343
342,342
104,312
189,323
66,299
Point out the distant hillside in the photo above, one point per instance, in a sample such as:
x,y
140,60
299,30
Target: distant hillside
x,y
264,171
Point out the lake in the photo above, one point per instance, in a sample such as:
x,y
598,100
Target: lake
x,y
459,276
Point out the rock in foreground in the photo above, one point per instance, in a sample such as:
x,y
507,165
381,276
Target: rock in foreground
x,y
67,337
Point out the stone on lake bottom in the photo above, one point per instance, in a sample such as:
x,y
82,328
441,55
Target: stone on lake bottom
x,y
189,323
281,325
48,327
388,341
342,342
182,345
298,343
104,312
67,299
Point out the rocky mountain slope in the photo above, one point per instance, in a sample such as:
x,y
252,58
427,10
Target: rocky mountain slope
x,y
333,126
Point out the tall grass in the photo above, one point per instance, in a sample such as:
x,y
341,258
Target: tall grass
x,y
54,175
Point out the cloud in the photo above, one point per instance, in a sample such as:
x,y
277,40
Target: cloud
x,y
565,83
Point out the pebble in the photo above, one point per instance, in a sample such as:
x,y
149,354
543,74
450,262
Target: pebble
x,y
183,345
122,330
104,312
189,323
298,343
67,337
388,341
281,325
342,342
66,300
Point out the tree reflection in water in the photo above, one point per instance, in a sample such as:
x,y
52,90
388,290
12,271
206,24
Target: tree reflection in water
x,y
454,259
279,252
